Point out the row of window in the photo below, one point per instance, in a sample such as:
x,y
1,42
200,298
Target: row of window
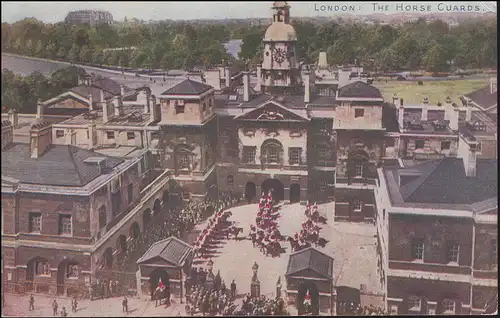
x,y
109,134
180,106
418,248
272,154
42,268
445,144
115,205
415,305
65,225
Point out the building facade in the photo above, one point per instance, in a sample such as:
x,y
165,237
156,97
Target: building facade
x,y
91,17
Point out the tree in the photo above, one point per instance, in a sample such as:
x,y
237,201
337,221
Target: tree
x,y
435,59
73,54
51,50
40,49
29,49
97,56
61,53
85,54
250,45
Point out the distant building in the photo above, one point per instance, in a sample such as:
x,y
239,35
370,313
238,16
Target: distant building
x,y
91,17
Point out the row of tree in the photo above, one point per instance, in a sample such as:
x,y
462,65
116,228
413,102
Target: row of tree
x,y
21,93
167,45
433,46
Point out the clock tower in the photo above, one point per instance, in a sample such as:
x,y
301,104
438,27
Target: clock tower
x,y
280,68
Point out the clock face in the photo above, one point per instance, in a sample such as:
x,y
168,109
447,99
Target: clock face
x,y
279,55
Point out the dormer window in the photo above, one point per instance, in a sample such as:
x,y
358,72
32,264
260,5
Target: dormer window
x,y
233,97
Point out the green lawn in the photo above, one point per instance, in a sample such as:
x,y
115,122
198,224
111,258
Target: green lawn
x,y
436,91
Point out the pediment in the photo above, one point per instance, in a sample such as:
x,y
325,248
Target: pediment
x,y
272,111
64,96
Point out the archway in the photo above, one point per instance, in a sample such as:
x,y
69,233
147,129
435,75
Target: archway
x,y
135,230
146,218
37,266
107,258
121,244
154,278
165,197
209,211
156,207
276,187
250,191
347,295
294,193
271,152
313,294
66,269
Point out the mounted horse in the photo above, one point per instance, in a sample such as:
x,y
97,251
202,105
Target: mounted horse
x,y
234,231
160,295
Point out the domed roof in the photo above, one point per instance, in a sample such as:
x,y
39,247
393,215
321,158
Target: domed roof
x,y
279,31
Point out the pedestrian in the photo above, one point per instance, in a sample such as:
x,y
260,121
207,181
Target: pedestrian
x,y
64,313
54,308
75,304
125,304
32,303
233,289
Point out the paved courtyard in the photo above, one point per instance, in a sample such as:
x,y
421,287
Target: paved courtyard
x,y
352,245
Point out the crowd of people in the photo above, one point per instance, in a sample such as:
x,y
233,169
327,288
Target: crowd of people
x,y
214,225
309,233
264,233
262,306
353,309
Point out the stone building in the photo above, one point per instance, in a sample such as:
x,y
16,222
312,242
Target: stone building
x,y
90,17
437,227
58,203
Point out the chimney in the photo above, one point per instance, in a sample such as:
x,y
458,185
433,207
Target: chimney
x,y
424,112
343,78
468,113
467,150
118,106
91,135
147,105
14,118
39,109
246,87
7,133
105,114
91,103
307,88
401,117
122,90
259,79
322,61
452,115
40,138
153,108
227,75
493,85
68,137
395,100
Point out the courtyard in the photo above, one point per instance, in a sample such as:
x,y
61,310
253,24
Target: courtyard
x,y
352,245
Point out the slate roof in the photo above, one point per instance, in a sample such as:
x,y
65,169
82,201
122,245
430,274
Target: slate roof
x,y
171,250
359,89
444,182
310,258
483,97
187,87
60,165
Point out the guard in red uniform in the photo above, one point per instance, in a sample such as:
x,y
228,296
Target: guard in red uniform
x,y
296,236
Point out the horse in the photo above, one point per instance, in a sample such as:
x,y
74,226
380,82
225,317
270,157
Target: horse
x,y
235,231
159,295
322,242
294,245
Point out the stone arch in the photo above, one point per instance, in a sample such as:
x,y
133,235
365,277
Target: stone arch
x,y
183,157
121,244
37,265
357,158
250,191
347,295
294,193
314,297
154,278
107,258
67,268
135,230
278,190
271,151
440,308
157,207
146,218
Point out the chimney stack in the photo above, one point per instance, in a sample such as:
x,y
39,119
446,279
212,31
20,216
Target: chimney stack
x,y
467,150
105,115
91,102
227,75
153,108
424,112
259,77
452,114
322,61
91,135
122,90
118,106
14,118
493,85
401,117
40,138
147,105
246,87
39,109
468,113
307,88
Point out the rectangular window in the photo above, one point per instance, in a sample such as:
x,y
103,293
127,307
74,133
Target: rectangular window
x,y
448,306
324,125
35,225
72,271
294,155
479,147
110,134
359,112
419,144
357,206
42,268
324,153
65,225
453,252
130,192
249,154
418,249
445,145
59,133
358,169
179,109
102,217
130,135
414,303
183,161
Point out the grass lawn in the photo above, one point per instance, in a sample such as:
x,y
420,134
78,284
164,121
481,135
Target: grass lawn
x,y
436,91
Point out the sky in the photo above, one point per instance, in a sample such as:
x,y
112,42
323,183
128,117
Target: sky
x,y
52,12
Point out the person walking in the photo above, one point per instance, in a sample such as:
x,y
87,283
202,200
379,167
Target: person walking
x,y
74,304
32,303
64,313
54,308
125,304
233,289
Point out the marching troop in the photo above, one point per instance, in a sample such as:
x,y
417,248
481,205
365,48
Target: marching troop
x,y
309,233
214,224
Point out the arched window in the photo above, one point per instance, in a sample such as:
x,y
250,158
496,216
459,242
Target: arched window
x,y
182,157
41,267
272,151
72,270
414,304
230,180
